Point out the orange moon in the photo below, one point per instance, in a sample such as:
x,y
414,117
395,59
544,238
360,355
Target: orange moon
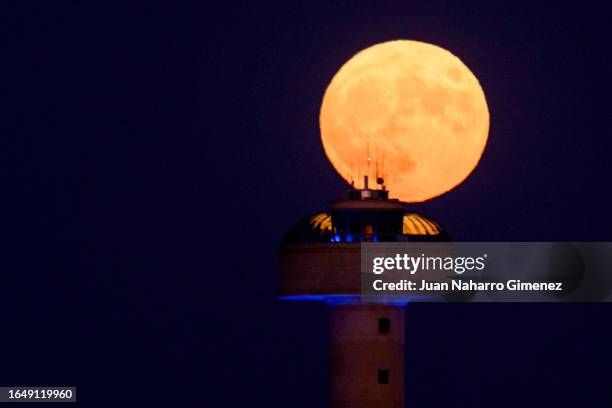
x,y
411,109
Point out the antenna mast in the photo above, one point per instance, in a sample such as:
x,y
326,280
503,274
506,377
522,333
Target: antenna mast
x,y
368,161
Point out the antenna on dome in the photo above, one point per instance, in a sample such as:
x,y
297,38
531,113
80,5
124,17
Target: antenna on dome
x,y
379,177
368,163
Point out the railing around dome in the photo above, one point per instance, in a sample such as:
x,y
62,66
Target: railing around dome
x,y
330,237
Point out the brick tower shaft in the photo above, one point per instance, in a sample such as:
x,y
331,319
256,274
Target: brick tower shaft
x,y
367,355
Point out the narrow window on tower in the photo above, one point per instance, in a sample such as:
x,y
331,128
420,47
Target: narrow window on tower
x,y
383,376
384,325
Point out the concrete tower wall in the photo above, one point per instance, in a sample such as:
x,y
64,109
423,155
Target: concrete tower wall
x,y
319,269
363,348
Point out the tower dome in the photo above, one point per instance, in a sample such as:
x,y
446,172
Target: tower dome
x,y
353,225
333,238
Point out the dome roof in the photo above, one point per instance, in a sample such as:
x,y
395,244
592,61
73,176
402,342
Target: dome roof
x,y
312,229
415,224
320,228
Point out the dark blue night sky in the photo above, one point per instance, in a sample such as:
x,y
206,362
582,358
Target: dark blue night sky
x,y
158,153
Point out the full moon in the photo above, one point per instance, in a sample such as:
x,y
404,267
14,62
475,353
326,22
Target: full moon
x,y
409,112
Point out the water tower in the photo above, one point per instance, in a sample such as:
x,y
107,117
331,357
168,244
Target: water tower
x,y
320,260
